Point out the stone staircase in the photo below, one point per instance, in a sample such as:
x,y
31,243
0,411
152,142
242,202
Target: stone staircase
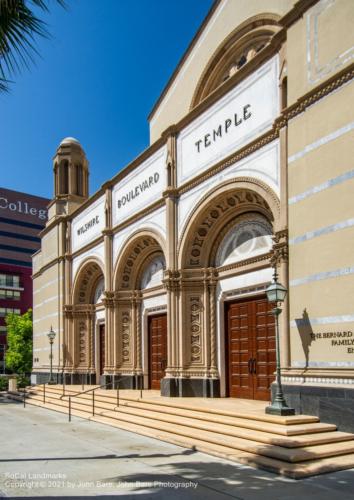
x,y
295,446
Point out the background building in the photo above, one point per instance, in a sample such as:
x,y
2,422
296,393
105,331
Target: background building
x,y
159,278
22,217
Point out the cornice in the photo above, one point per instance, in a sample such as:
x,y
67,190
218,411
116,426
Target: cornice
x,y
263,259
296,12
317,93
87,247
48,265
52,224
139,215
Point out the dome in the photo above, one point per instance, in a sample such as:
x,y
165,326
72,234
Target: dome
x,y
70,140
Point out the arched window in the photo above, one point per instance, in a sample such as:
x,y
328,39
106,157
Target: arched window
x,y
284,93
99,290
64,177
153,273
239,48
79,180
250,236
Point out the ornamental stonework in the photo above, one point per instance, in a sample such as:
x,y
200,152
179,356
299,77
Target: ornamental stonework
x,y
231,202
82,342
125,336
195,322
130,261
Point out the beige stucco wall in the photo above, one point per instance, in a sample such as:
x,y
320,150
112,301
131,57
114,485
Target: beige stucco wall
x,y
321,186
314,50
228,16
48,299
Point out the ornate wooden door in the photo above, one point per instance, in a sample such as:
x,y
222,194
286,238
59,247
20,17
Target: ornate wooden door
x,y
102,348
250,348
157,349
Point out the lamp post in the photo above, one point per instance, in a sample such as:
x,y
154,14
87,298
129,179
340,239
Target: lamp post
x,y
51,337
276,293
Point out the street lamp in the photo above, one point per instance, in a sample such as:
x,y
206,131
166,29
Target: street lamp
x,y
276,293
51,337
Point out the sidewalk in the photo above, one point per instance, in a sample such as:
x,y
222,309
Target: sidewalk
x,y
42,455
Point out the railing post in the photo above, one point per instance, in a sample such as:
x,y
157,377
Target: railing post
x,y
118,393
82,381
24,397
63,384
44,393
93,403
69,408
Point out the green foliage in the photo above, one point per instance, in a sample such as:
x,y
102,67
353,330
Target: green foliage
x,y
23,381
19,340
4,383
19,26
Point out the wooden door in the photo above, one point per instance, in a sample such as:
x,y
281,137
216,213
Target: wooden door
x,y
102,348
250,348
157,349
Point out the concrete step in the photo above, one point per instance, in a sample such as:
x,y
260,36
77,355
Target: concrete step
x,y
306,424
219,434
293,462
262,417
229,428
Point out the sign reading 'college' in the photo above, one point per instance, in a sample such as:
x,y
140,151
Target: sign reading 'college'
x,y
245,112
144,185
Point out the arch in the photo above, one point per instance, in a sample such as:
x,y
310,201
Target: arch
x,y
86,280
64,177
235,51
141,246
152,271
79,189
216,210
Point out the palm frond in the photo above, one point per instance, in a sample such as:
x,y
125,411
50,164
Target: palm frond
x,y
19,27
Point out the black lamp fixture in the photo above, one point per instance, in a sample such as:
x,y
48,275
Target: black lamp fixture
x,y
276,294
51,336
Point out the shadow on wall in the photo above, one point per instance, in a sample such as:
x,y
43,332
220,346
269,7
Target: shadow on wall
x,y
306,334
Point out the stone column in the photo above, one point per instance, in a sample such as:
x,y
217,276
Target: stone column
x,y
172,276
138,301
280,261
212,308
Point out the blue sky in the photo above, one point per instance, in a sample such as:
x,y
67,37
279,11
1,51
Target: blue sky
x,y
97,79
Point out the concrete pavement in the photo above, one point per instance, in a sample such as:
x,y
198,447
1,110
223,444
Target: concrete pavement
x,y
43,455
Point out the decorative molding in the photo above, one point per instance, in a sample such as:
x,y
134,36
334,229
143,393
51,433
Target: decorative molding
x,y
213,215
195,314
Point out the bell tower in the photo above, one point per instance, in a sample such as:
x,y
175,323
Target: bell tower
x,y
71,174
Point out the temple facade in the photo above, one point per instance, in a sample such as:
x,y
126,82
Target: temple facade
x,y
158,280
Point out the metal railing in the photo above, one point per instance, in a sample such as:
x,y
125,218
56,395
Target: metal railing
x,y
25,394
93,389
80,393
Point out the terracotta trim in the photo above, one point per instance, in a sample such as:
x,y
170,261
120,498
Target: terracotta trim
x,y
84,249
139,215
296,12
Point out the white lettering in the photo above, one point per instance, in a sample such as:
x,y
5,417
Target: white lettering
x,y
22,208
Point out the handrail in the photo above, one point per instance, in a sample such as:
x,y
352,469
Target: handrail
x,y
93,389
84,392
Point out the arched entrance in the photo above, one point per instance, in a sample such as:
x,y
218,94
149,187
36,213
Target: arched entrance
x,y
226,250
141,315
86,322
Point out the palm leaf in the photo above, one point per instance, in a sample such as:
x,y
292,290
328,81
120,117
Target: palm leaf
x,y
19,27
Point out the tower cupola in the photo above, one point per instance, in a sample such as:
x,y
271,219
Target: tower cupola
x,y
70,171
